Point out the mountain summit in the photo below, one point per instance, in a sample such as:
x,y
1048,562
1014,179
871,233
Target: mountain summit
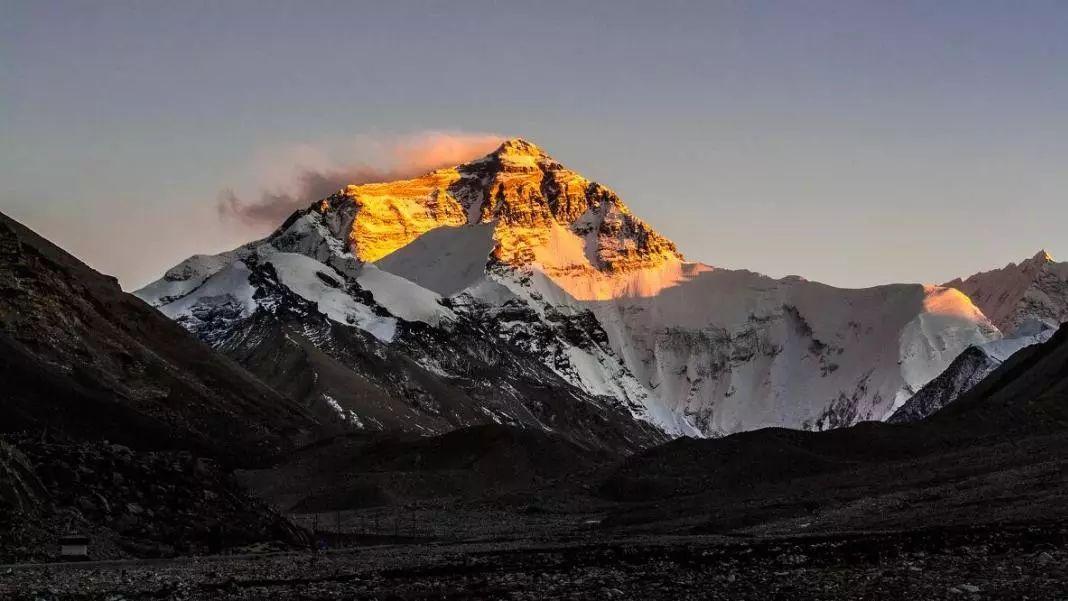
x,y
541,212
1035,288
512,289
1043,257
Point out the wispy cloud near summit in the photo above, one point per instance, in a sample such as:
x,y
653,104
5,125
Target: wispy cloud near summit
x,y
368,159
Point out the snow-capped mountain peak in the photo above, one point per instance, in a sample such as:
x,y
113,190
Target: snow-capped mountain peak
x,y
542,213
479,279
518,149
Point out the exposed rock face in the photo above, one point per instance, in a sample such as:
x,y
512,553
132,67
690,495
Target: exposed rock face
x,y
514,256
967,370
385,217
524,192
1036,288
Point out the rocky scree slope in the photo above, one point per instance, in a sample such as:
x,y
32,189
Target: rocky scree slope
x,y
129,502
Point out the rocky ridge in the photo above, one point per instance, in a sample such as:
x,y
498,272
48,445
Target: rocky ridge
x,y
1036,288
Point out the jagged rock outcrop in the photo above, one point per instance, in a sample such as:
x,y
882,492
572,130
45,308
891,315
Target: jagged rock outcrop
x,y
1036,288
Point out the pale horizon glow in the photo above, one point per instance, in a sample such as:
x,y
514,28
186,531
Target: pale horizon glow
x,y
855,144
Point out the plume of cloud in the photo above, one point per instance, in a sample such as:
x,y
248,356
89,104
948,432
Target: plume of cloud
x,y
378,159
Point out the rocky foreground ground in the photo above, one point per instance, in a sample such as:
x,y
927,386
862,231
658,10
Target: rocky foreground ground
x,y
1017,564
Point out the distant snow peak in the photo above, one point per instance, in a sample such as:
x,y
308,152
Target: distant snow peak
x,y
1036,288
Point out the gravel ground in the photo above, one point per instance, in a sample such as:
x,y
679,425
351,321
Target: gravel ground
x,y
1024,564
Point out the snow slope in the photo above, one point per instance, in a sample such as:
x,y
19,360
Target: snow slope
x,y
722,351
404,298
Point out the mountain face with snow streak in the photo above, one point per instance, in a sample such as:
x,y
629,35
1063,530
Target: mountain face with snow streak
x,y
480,292
370,350
1036,288
968,369
1026,300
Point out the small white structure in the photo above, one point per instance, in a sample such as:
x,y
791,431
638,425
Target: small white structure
x,y
74,546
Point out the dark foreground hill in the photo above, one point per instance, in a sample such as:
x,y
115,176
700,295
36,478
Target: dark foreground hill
x,y
359,471
997,456
116,421
80,356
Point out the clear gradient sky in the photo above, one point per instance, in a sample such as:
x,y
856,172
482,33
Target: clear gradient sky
x,y
851,142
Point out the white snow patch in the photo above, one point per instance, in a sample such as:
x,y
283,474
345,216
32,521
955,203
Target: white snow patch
x,y
404,298
347,415
184,278
230,284
298,273
948,324
1000,350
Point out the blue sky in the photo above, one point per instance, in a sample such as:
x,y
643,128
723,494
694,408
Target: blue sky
x,y
854,143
